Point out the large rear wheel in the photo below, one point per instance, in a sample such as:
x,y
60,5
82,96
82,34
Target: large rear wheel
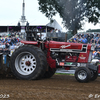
x,y
28,62
50,72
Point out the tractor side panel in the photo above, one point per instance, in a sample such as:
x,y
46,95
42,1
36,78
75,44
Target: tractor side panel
x,y
83,57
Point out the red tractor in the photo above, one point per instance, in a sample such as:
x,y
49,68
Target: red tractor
x,y
40,58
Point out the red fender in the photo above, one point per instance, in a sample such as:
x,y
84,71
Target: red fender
x,y
30,42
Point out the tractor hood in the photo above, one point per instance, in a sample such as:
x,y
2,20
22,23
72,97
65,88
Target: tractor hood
x,y
71,47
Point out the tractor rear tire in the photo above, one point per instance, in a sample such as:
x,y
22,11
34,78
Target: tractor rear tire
x,y
82,74
28,62
49,73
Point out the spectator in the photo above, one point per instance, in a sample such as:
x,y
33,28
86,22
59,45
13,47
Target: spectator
x,y
84,40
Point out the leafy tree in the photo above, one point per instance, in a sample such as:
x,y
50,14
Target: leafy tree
x,y
93,11
73,12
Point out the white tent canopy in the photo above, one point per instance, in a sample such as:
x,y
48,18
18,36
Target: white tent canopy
x,y
55,25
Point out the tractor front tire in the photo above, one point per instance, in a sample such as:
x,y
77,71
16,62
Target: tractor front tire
x,y
82,74
28,62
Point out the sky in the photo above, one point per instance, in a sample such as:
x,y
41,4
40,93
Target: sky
x,y
11,11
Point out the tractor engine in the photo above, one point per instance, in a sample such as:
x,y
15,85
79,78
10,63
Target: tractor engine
x,y
63,56
70,54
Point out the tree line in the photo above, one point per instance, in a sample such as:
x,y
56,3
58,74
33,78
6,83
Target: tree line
x,y
73,12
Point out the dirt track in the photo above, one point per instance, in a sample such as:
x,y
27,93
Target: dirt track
x,y
59,87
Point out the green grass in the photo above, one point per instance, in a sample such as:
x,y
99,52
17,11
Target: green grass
x,y
64,74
